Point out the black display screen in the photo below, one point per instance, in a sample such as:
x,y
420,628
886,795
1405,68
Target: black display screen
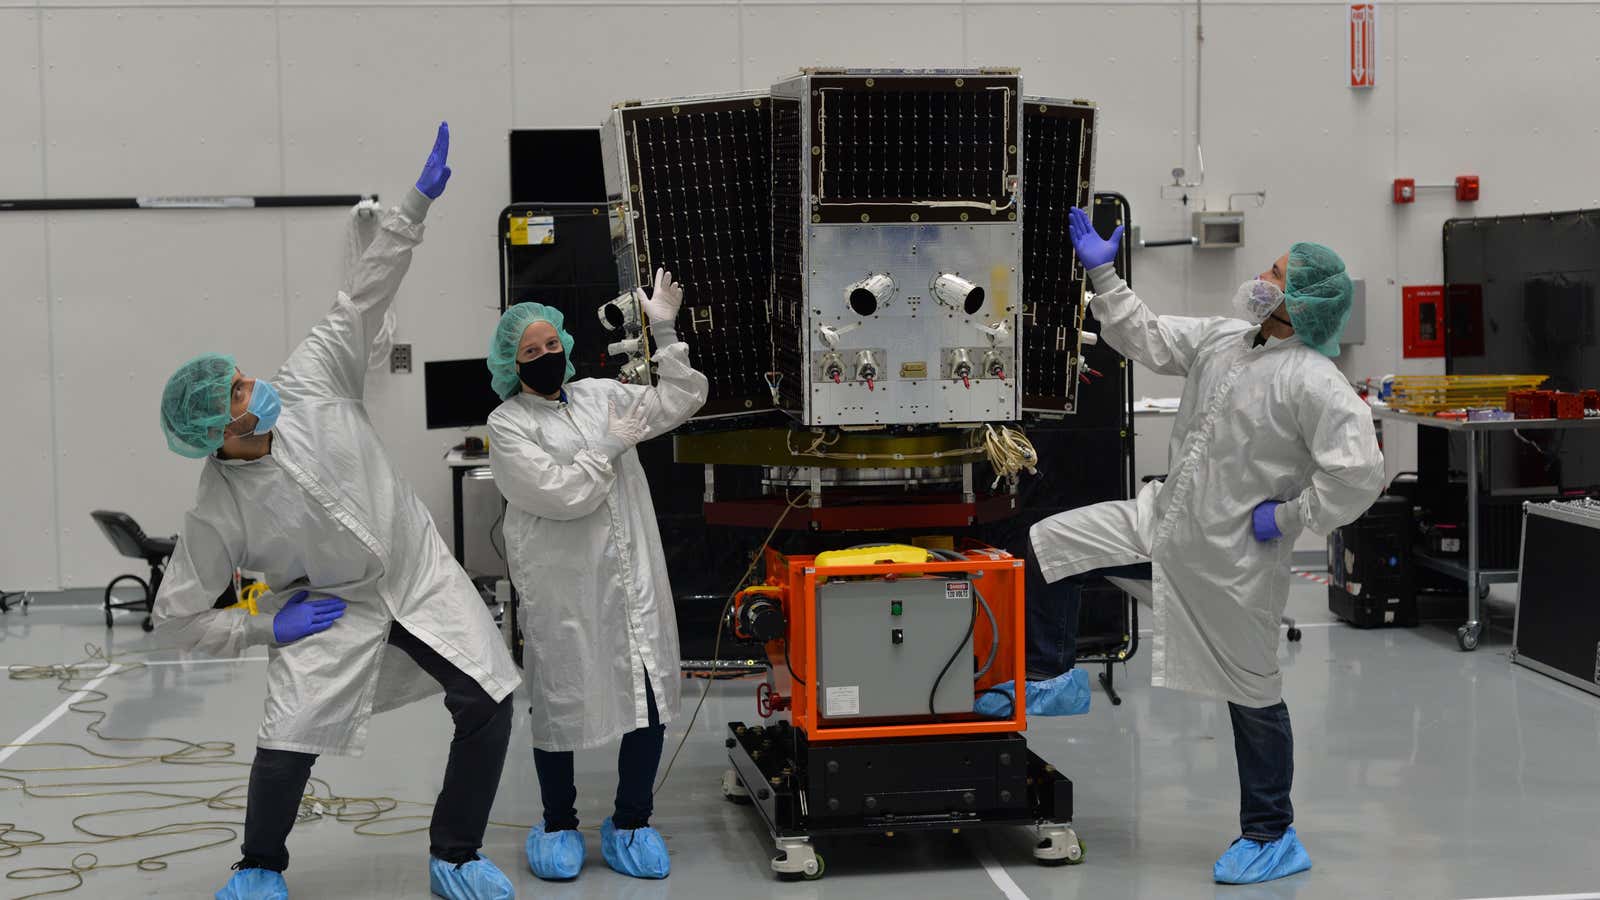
x,y
1520,298
458,393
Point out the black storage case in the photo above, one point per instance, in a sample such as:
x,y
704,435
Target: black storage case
x,y
1371,581
1558,609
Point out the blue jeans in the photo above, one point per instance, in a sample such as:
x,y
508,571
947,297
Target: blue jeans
x,y
637,762
1264,746
1052,615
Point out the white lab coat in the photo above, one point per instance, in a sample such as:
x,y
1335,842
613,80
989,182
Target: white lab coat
x,y
1276,422
325,510
585,555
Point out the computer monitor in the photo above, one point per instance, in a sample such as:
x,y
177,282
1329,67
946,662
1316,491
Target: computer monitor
x,y
458,393
557,165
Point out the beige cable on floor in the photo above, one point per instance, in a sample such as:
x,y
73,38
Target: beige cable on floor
x,y
319,802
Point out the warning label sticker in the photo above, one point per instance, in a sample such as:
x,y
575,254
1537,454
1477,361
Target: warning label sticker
x,y
843,701
958,590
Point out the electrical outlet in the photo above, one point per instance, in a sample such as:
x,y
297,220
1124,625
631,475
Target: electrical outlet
x,y
400,359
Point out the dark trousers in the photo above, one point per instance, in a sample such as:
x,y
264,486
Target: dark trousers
x,y
1264,746
637,762
471,777
1052,615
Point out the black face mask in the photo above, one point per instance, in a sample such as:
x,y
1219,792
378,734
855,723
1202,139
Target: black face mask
x,y
544,374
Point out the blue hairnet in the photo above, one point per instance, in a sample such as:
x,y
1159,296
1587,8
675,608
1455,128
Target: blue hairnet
x,y
1319,295
508,336
194,405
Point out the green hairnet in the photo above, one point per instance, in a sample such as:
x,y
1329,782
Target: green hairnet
x,y
508,336
1318,296
194,405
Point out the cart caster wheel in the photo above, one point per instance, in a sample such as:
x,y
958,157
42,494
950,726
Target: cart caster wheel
x,y
147,625
733,789
1116,701
822,868
1467,637
797,861
1059,846
1294,634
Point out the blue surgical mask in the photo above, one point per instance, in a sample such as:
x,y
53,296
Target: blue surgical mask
x,y
265,404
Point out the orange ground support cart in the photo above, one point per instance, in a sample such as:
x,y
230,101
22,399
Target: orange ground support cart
x,y
876,664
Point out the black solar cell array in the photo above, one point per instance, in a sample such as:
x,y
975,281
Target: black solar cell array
x,y
1057,156
701,179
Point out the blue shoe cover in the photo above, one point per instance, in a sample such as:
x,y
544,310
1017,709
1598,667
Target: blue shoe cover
x,y
555,855
639,852
476,880
254,884
1252,862
1066,694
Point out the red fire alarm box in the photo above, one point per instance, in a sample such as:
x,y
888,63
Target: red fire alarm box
x,y
1424,320
1466,188
1405,190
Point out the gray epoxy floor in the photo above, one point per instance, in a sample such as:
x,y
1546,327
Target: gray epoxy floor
x,y
1421,772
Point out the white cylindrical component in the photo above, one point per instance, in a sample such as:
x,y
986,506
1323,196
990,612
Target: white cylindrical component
x,y
1089,338
957,293
960,364
624,348
867,295
833,367
866,366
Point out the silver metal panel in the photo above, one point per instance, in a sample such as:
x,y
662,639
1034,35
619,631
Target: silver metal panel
x,y
1459,569
1557,674
861,668
1583,512
913,327
1505,425
1355,330
624,245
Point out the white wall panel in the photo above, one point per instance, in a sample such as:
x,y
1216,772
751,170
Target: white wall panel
x,y
20,159
27,480
779,39
573,62
143,102
136,294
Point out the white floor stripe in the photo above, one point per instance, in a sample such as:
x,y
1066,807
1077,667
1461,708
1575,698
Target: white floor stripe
x,y
179,662
1146,632
997,873
55,714
1547,897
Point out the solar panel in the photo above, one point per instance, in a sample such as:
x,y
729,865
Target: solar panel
x,y
1057,168
700,184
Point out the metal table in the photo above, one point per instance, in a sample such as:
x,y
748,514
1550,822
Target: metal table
x,y
1468,634
463,467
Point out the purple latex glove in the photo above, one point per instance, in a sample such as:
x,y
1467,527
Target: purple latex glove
x,y
300,618
435,173
1264,521
1093,250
